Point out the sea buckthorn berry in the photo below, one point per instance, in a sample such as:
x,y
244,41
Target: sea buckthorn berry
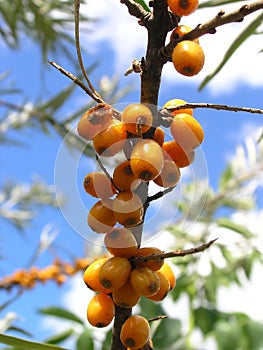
x,y
147,159
115,272
180,156
164,288
100,310
182,7
180,31
186,131
97,184
94,121
128,209
155,264
188,58
137,118
170,174
167,271
101,218
158,135
176,102
145,281
120,242
123,177
125,296
135,332
111,140
91,276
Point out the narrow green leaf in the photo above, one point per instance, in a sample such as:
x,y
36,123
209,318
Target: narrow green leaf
x,y
244,35
85,341
58,338
144,5
20,330
227,223
57,101
167,333
26,344
61,313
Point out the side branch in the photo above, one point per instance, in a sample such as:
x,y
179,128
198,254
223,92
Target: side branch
x,y
210,27
137,10
77,82
174,254
217,107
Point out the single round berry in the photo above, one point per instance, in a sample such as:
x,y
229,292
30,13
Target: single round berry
x,y
164,288
180,156
120,242
91,276
95,120
125,296
97,184
182,7
111,140
145,281
181,30
100,310
169,176
101,218
135,332
147,159
186,131
167,271
128,209
137,118
188,58
123,177
176,102
115,272
153,264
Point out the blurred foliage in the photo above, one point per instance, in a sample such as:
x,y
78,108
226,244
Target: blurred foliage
x,y
47,23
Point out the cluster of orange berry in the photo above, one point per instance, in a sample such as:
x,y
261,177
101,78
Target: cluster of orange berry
x,y
188,56
148,157
131,272
58,272
122,280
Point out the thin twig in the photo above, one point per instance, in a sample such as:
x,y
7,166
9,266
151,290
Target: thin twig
x,y
174,254
160,194
93,93
157,318
216,106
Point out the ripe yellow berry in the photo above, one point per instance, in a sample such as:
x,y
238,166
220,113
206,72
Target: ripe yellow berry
x,y
188,58
100,310
115,272
145,281
135,332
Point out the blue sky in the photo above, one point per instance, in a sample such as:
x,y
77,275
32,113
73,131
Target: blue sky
x,y
239,84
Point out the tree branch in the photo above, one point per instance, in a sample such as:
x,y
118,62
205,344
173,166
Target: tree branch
x,y
210,27
174,254
77,82
137,11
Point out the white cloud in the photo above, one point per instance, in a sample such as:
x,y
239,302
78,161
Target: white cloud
x,y
128,41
